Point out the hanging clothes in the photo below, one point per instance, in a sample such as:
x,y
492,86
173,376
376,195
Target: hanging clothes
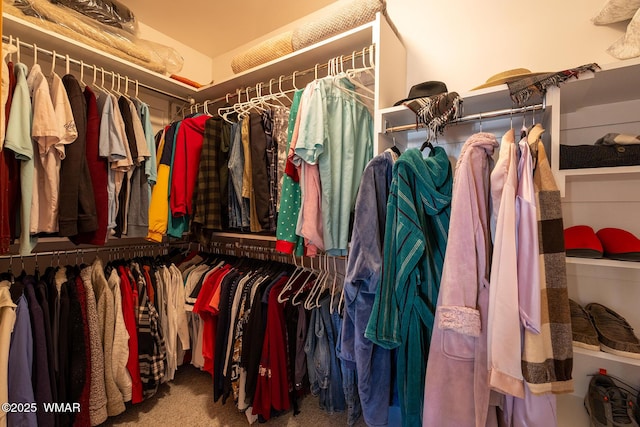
x,y
503,322
338,136
120,353
98,168
112,146
415,242
547,358
20,389
7,322
372,362
533,409
106,314
41,378
18,139
9,171
287,239
208,206
457,368
280,130
77,202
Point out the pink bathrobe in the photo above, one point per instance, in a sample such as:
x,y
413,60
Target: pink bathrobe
x,y
457,390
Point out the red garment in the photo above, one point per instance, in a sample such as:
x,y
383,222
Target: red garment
x,y
151,293
9,181
272,389
186,161
209,315
98,167
128,311
83,419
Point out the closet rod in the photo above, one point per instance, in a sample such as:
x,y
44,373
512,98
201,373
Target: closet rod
x,y
275,81
98,249
11,39
471,117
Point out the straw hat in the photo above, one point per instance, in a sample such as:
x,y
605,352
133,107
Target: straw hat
x,y
506,77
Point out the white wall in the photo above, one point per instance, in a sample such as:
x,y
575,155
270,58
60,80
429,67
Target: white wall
x,y
464,42
197,66
221,66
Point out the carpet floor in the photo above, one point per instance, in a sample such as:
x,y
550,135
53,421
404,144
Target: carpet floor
x,y
188,401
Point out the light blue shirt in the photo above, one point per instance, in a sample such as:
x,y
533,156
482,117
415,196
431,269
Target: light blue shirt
x,y
337,135
150,166
111,147
18,140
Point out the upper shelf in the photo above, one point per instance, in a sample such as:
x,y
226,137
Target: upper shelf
x,y
346,43
342,44
615,82
30,33
473,102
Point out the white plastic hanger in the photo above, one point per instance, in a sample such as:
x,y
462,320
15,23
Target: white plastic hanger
x,y
35,54
294,276
18,49
10,50
309,301
82,83
281,92
311,276
53,63
293,80
67,64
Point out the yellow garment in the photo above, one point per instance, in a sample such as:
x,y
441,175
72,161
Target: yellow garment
x,y
159,204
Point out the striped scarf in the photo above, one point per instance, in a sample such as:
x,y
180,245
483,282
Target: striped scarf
x,y
547,359
437,111
522,89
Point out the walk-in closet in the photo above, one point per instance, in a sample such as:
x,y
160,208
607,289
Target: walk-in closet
x,y
334,212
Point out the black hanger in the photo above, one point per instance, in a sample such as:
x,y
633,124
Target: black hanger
x,y
394,147
426,144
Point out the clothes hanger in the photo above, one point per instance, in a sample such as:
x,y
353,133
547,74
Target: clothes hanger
x,y
334,290
18,49
394,147
427,143
67,64
10,55
292,278
352,78
82,83
354,72
317,287
126,87
53,63
328,276
281,92
35,54
302,287
293,80
136,97
275,97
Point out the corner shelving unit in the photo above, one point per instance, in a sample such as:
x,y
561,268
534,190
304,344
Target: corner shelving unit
x,y
590,107
578,112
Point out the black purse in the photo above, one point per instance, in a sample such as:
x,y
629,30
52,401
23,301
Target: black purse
x,y
598,156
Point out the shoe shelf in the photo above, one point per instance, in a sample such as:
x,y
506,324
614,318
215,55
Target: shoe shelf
x,y
602,262
607,356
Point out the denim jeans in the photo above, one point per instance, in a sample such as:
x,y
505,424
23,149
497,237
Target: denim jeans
x,y
332,324
349,378
323,366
